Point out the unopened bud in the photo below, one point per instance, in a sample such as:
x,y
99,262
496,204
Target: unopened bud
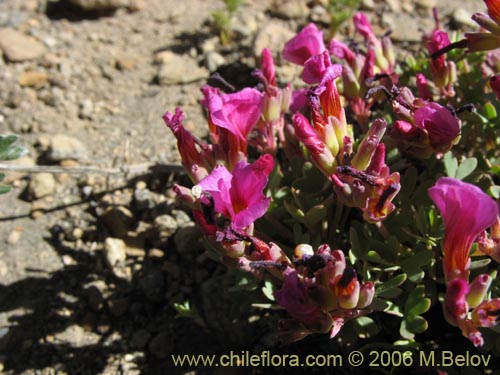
x,y
366,294
478,289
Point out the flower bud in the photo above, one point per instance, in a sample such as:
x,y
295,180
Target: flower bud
x,y
366,294
369,144
347,289
478,289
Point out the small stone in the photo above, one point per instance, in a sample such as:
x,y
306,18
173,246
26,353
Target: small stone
x,y
156,253
18,47
214,60
182,218
35,79
125,63
75,336
292,9
86,109
165,225
63,147
96,294
140,339
118,219
462,18
404,28
161,345
177,69
144,199
42,185
426,4
368,5
114,252
14,236
272,35
5,334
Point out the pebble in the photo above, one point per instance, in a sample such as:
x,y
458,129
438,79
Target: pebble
x,y
166,226
182,218
292,9
86,109
62,147
96,294
161,345
14,236
75,336
114,252
426,4
272,35
30,78
42,185
118,219
125,63
177,69
18,47
144,199
368,5
213,60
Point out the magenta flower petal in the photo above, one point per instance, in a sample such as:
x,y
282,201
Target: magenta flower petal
x,y
237,112
439,123
239,196
315,67
466,212
307,43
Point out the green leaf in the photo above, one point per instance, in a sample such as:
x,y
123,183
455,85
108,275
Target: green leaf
x,y
490,111
414,262
417,303
417,324
450,164
391,293
391,283
495,191
315,214
466,168
365,327
5,189
8,151
268,290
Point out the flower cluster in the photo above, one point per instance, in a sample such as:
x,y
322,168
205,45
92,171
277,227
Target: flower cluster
x,y
288,175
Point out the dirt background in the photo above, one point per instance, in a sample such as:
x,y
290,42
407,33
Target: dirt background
x,y
91,265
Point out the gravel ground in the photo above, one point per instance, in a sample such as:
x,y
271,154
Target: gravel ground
x,y
91,265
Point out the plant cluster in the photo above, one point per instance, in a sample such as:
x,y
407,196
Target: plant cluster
x,y
371,190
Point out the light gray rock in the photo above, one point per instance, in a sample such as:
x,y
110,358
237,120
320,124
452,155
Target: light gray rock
x,y
18,47
166,226
178,69
291,9
42,185
63,147
75,336
114,252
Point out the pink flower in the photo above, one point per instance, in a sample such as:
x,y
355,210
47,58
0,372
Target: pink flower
x,y
237,112
307,43
466,212
315,67
239,195
441,126
293,296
